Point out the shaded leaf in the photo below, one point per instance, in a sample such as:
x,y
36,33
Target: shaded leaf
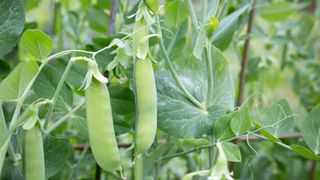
x,y
279,119
14,85
310,129
11,24
56,151
304,152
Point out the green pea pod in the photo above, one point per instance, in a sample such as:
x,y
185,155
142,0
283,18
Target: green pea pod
x,y
100,127
34,167
140,43
146,103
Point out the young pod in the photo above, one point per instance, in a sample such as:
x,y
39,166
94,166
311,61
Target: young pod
x,y
34,166
146,104
100,127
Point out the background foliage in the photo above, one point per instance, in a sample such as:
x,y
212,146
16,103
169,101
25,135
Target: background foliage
x,y
275,131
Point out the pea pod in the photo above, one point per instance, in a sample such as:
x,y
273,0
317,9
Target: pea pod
x,y
34,166
100,127
146,102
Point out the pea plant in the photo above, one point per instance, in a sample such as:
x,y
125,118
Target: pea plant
x,y
153,89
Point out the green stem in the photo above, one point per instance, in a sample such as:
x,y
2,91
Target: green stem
x,y
57,92
64,118
30,84
209,73
173,72
173,41
192,15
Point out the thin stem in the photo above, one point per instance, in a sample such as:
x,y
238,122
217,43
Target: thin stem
x,y
223,9
173,72
242,75
64,118
56,93
30,84
112,18
192,15
173,41
210,73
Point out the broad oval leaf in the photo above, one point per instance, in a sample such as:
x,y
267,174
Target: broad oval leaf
x,y
310,129
11,24
56,152
231,151
279,119
240,122
37,44
14,85
177,115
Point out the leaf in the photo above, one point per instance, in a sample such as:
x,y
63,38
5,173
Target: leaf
x,y
122,100
227,26
56,151
14,85
231,151
46,84
280,118
277,11
310,129
37,44
266,133
4,69
11,24
304,152
153,5
99,24
240,122
176,13
177,115
193,143
222,129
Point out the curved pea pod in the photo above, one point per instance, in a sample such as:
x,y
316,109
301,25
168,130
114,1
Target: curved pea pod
x,y
100,127
146,103
34,166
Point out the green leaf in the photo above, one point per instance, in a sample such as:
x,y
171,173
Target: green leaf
x,y
11,24
122,100
99,24
177,115
153,5
176,13
37,44
56,152
310,129
266,133
231,151
304,152
240,122
193,143
227,26
222,129
46,84
277,11
280,118
14,85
